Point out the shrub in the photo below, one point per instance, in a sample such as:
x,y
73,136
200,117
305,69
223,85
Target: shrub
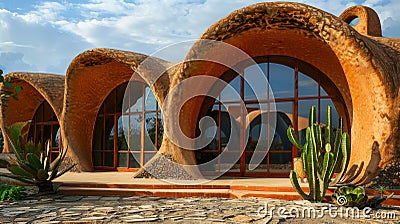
x,y
11,193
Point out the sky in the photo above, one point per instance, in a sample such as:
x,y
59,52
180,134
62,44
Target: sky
x,y
45,36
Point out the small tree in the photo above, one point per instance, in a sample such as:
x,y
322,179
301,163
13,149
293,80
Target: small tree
x,y
8,91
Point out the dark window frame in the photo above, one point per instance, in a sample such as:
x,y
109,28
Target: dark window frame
x,y
116,113
297,66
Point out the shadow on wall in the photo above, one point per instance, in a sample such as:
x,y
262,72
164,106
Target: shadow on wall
x,y
371,171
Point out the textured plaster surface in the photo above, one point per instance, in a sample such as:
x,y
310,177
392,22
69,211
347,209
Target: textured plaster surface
x,y
361,64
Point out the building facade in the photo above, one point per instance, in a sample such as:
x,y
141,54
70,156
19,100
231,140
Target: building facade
x,y
308,56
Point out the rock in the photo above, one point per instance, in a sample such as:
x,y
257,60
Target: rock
x,y
242,219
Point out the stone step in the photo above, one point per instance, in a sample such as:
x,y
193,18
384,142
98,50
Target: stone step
x,y
193,192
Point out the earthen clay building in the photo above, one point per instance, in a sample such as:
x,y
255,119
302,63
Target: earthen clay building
x,y
309,57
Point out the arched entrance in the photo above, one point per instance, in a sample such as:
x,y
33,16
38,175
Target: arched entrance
x,y
124,139
296,86
46,128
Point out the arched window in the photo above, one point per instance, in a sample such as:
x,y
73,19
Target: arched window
x,y
126,138
44,127
296,86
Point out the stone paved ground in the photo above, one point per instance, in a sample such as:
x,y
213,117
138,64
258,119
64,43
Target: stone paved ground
x,y
97,209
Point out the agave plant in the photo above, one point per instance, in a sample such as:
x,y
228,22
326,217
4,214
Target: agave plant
x,y
32,164
323,153
350,196
353,196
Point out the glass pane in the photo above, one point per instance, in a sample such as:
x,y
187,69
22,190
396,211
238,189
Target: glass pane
x,y
136,96
335,116
281,79
285,107
47,133
304,110
148,156
215,106
109,159
98,134
120,96
252,85
134,160
31,134
97,159
39,135
232,109
262,167
151,102
258,119
211,136
122,142
160,129
54,156
231,93
280,162
135,132
323,92
254,135
109,103
56,136
252,107
153,131
204,157
284,119
109,133
123,159
307,86
226,123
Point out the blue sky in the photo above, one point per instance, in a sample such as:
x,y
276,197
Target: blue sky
x,y
44,36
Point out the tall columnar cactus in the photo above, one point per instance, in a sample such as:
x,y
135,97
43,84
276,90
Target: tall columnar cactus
x,y
323,153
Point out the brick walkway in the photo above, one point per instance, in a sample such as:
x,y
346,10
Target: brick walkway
x,y
59,208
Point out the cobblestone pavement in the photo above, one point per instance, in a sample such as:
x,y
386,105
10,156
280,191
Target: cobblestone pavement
x,y
106,209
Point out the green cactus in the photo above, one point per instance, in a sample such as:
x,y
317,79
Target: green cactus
x,y
321,156
32,164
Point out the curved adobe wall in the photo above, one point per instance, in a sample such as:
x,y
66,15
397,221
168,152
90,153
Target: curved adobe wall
x,y
91,76
357,65
37,87
369,22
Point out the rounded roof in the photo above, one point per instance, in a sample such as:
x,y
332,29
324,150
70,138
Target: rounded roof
x,y
50,86
312,22
357,64
150,68
90,78
37,88
369,22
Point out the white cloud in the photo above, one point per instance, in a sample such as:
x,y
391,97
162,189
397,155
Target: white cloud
x,y
28,45
47,11
9,60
